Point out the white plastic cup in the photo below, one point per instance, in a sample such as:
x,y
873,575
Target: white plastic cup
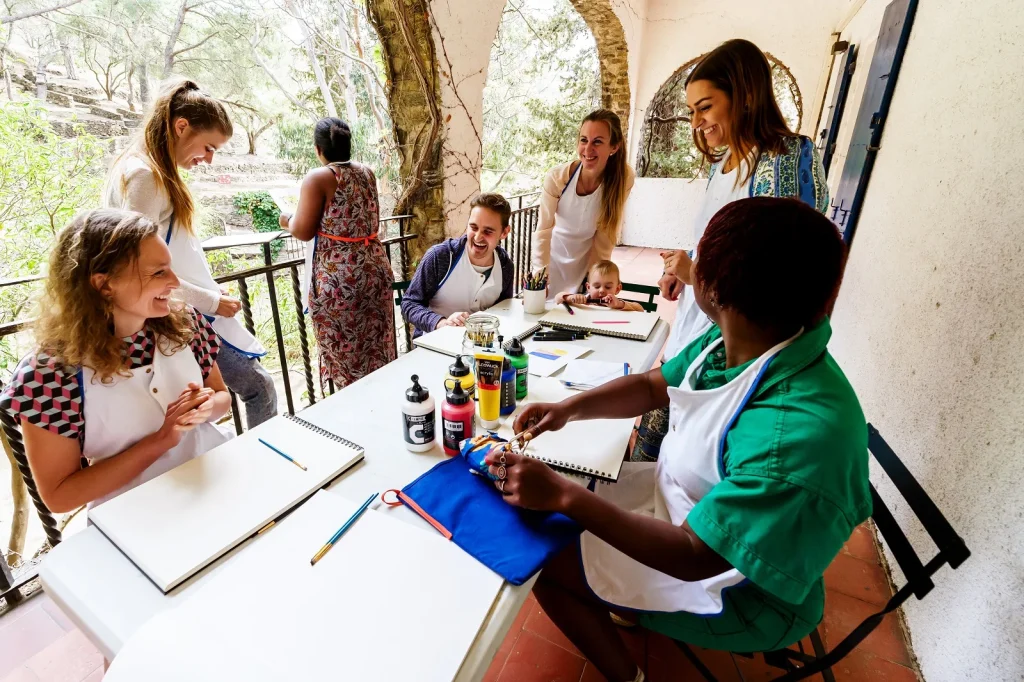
x,y
533,301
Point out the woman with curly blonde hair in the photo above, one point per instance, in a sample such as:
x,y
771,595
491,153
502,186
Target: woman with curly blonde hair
x,y
115,356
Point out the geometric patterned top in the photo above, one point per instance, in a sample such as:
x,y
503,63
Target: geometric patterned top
x,y
47,394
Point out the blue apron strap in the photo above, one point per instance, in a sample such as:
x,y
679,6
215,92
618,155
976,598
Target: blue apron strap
x,y
170,228
573,175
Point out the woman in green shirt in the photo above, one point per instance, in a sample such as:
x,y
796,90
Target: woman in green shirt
x,y
764,472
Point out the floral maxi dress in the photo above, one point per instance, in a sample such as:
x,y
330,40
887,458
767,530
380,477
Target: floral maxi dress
x,y
350,299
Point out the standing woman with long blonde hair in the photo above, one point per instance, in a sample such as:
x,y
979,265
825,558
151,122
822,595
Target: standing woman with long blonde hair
x,y
185,127
582,204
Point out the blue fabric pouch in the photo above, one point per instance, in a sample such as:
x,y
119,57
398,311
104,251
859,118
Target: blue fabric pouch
x,y
514,543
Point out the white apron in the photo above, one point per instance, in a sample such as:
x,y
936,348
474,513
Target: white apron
x,y
189,263
464,289
572,238
119,414
688,468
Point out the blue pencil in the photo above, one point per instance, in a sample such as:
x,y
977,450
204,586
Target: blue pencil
x,y
341,531
282,454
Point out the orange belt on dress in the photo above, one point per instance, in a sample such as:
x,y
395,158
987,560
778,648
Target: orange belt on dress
x,y
351,240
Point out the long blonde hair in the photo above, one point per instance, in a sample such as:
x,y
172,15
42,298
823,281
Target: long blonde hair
x,y
75,324
613,197
157,140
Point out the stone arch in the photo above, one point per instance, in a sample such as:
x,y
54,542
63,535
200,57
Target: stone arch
x,y
612,53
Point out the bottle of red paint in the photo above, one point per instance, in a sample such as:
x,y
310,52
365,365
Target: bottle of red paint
x,y
457,414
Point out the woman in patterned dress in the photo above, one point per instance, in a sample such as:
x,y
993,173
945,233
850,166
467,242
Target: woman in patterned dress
x,y
121,376
349,281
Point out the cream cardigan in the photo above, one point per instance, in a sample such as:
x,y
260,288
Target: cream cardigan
x,y
555,182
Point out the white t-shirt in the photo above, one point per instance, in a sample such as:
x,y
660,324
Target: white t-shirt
x,y
690,320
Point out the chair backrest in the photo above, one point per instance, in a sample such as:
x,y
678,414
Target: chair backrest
x,y
399,288
952,550
649,305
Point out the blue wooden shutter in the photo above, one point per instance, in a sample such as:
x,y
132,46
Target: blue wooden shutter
x,y
874,109
827,138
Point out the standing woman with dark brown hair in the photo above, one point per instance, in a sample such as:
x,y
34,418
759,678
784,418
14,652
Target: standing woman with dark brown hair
x,y
740,131
185,127
582,204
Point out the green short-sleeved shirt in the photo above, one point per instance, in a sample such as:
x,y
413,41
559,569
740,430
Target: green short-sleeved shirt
x,y
795,486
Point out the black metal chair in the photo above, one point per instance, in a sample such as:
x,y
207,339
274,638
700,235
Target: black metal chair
x,y
798,664
649,305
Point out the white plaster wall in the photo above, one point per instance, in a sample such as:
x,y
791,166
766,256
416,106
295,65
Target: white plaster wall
x,y
928,325
797,32
659,213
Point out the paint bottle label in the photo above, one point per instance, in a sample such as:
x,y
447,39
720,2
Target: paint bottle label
x,y
522,381
419,428
453,433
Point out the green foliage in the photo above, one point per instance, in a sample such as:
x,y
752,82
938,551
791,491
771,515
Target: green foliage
x,y
543,79
265,214
295,145
44,180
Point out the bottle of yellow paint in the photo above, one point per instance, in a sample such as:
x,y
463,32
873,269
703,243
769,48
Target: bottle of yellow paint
x,y
488,385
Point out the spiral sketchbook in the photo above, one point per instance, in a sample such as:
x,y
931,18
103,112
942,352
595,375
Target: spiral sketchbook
x,y
176,524
592,449
604,321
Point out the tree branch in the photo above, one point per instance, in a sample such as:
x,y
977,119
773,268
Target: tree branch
x,y
10,19
194,46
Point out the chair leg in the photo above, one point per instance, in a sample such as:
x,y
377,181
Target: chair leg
x,y
697,663
819,652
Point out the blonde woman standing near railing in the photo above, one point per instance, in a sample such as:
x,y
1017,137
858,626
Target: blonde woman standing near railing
x,y
582,204
186,127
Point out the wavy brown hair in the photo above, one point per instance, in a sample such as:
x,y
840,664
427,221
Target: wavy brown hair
x,y
739,69
157,140
75,324
613,198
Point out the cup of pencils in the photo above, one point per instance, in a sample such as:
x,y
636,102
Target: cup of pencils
x,y
535,292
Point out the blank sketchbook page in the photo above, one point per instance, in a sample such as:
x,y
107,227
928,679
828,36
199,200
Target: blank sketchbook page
x,y
594,447
177,523
390,601
604,321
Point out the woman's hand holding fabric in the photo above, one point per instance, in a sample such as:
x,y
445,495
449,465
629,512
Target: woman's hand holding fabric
x,y
527,482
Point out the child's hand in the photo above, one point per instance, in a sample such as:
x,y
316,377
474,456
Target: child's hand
x,y
574,299
614,303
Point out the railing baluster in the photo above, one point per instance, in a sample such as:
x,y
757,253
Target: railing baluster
x,y
13,433
243,296
236,414
303,338
272,290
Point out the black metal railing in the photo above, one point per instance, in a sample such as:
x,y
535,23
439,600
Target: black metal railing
x,y
519,241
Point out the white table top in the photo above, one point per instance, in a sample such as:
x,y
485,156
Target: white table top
x,y
108,598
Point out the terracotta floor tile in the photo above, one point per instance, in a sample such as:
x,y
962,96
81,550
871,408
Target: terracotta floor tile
x,y
755,669
862,543
672,671
25,631
592,674
534,659
498,663
636,642
861,666
71,658
858,578
21,674
539,624
528,606
844,613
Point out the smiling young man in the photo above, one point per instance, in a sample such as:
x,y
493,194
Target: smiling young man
x,y
462,276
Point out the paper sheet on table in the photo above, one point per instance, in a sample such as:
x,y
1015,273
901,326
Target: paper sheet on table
x,y
390,601
584,374
547,357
